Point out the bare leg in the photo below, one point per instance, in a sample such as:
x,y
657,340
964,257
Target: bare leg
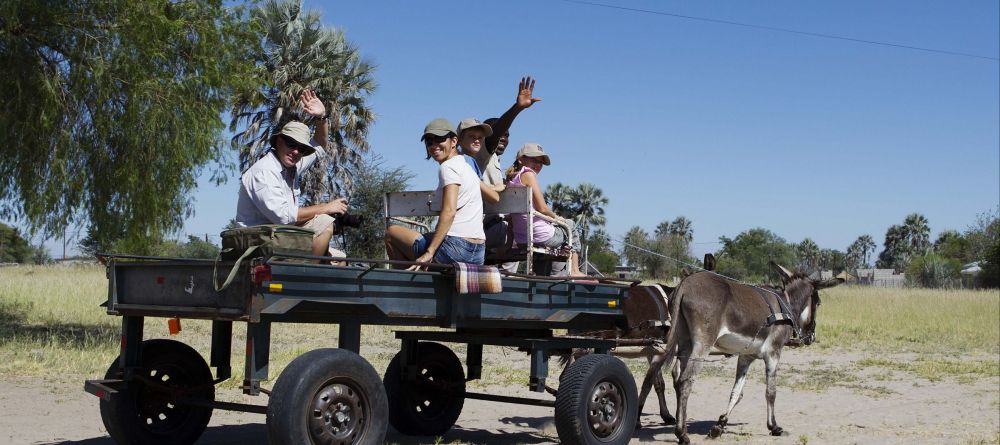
x,y
321,242
742,366
771,364
399,243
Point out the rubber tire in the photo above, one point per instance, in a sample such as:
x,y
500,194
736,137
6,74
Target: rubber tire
x,y
293,398
123,415
437,415
576,388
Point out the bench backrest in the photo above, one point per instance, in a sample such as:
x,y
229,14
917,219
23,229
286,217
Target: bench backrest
x,y
424,203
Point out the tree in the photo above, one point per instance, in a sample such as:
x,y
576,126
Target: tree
x,y
746,257
13,247
933,270
990,275
681,226
299,53
588,208
917,233
372,181
194,247
896,249
560,198
832,259
808,253
635,242
951,244
983,234
100,97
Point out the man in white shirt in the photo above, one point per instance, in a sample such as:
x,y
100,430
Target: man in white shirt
x,y
270,187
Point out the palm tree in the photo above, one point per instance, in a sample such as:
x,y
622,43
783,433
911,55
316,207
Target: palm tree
x,y
808,254
867,245
662,229
918,233
896,252
588,203
300,53
560,198
681,226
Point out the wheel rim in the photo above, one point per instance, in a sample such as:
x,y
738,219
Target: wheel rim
x,y
606,409
157,409
428,396
339,414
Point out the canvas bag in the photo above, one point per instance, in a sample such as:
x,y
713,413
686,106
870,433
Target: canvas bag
x,y
261,241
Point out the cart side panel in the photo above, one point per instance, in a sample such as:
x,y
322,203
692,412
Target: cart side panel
x,y
182,289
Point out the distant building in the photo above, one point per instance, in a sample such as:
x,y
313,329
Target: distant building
x,y
880,277
626,272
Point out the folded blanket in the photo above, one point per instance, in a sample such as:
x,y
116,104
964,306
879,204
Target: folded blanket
x,y
476,279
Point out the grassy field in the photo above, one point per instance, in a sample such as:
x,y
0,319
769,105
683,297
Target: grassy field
x,y
52,325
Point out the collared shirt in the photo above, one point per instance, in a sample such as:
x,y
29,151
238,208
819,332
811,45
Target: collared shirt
x,y
493,174
268,190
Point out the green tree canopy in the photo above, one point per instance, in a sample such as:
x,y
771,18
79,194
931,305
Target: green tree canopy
x,y
112,110
13,247
372,180
746,257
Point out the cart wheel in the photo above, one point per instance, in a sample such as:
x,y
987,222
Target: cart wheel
x,y
429,405
327,396
596,402
143,413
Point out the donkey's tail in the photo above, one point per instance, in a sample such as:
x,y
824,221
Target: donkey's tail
x,y
669,352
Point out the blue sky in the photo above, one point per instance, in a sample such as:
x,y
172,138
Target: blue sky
x,y
733,127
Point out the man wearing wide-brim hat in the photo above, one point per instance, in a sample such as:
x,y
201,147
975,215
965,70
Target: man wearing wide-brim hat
x,y
270,187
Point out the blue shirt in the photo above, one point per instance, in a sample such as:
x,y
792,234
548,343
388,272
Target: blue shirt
x,y
472,163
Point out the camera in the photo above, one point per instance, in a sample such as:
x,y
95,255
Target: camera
x,y
347,220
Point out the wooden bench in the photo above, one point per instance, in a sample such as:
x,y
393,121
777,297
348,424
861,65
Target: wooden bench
x,y
402,207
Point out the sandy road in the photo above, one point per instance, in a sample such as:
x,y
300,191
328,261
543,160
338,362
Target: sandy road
x,y
901,409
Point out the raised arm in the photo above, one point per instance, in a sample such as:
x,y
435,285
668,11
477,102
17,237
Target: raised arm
x,y
312,105
525,99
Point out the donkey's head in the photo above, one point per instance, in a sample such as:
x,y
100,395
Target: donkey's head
x,y
804,295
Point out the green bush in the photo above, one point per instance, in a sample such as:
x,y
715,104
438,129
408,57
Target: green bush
x,y
934,271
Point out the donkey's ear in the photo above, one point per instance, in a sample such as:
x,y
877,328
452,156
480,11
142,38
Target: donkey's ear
x,y
828,283
786,275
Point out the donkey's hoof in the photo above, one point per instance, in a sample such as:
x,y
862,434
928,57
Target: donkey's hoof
x,y
715,432
683,440
669,420
777,431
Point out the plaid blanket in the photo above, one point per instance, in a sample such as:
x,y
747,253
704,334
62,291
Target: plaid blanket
x,y
476,279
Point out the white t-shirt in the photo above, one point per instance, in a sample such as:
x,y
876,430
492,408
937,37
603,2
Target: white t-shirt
x,y
469,218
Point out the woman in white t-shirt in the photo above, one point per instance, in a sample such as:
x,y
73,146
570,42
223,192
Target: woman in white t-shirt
x,y
459,236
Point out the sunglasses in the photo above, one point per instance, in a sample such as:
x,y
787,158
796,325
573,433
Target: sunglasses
x,y
430,139
292,144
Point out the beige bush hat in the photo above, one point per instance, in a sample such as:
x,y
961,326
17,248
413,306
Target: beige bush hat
x,y
438,127
533,150
471,122
299,133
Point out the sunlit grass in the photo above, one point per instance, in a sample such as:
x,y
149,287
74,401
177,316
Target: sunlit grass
x,y
910,320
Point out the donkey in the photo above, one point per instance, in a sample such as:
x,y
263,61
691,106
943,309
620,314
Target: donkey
x,y
710,312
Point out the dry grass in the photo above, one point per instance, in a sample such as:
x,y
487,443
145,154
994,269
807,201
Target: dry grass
x,y
52,325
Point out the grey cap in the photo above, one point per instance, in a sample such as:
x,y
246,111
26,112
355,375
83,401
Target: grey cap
x,y
298,132
471,122
533,150
438,127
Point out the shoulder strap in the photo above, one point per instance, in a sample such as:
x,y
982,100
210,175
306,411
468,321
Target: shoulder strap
x,y
232,272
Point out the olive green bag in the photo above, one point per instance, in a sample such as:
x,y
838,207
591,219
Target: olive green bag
x,y
266,240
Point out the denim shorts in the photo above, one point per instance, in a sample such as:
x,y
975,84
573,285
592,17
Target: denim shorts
x,y
453,249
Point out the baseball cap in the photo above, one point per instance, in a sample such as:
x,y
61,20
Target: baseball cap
x,y
534,150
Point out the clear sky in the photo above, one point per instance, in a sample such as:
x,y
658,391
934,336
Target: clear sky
x,y
732,126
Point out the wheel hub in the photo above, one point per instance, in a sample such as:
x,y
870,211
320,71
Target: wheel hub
x,y
604,413
337,415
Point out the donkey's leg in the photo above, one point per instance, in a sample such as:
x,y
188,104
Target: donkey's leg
x,y
661,390
771,364
742,366
692,353
656,362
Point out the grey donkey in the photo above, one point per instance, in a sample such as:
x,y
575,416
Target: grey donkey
x,y
712,313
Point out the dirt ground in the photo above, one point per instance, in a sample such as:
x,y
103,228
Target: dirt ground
x,y
841,404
